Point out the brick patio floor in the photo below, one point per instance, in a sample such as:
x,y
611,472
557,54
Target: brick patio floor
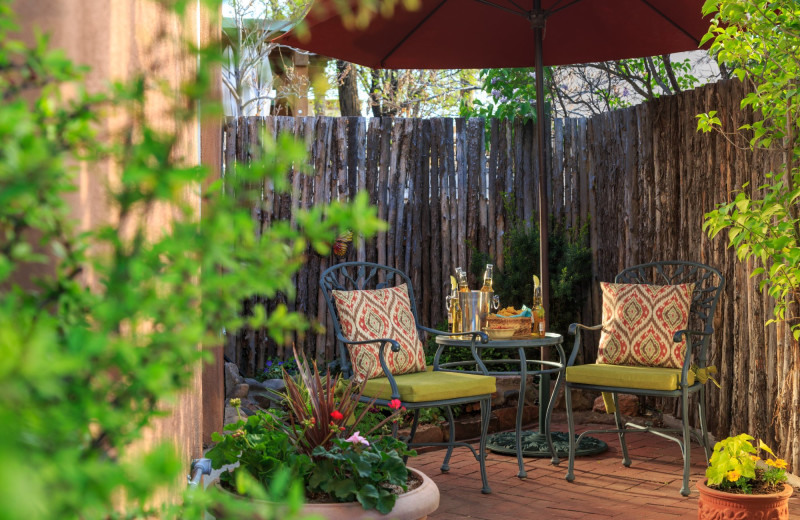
x,y
603,487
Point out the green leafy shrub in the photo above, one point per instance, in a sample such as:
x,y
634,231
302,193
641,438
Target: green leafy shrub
x,y
570,264
570,274
733,467
273,369
260,444
361,470
373,419
319,442
758,39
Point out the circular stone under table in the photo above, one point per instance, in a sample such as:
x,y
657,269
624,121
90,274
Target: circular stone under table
x,y
534,444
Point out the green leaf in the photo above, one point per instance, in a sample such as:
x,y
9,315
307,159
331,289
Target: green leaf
x,y
344,489
386,502
368,496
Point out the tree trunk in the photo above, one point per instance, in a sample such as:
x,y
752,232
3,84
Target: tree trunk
x,y
670,73
348,90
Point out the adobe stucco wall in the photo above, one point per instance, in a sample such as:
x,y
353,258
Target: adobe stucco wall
x,y
114,38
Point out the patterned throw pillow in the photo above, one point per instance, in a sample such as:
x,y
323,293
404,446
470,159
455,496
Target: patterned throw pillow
x,y
375,314
639,321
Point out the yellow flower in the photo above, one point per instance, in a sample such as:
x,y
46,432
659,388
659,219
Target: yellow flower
x,y
754,458
734,475
778,463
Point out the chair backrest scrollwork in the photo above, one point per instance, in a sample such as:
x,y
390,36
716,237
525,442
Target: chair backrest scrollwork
x,y
708,281
357,276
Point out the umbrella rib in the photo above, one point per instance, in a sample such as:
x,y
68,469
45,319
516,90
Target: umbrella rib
x,y
521,12
554,9
411,32
512,2
671,21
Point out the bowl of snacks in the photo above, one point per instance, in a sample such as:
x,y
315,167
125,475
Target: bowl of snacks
x,y
510,318
498,334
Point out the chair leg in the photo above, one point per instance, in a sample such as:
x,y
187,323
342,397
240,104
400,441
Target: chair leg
x,y
571,430
486,416
446,463
626,460
701,412
687,443
414,425
555,461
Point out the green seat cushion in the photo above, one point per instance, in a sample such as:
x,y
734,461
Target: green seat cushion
x,y
645,378
431,386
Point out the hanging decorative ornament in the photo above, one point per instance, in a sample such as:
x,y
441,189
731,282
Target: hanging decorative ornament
x,y
341,244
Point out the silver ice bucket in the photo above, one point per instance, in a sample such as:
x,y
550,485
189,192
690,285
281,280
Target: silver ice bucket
x,y
475,307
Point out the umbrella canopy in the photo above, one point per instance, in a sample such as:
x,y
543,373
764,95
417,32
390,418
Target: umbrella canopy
x,y
456,34
461,34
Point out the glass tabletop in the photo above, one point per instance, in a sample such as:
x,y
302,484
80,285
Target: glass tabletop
x,y
551,338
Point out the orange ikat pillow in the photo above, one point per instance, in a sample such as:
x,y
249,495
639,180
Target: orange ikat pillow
x,y
376,314
639,321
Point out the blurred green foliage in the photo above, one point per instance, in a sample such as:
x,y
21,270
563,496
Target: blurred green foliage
x,y
84,372
759,41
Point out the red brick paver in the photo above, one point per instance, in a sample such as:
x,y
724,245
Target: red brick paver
x,y
603,487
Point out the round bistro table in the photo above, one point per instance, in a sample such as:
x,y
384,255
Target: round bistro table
x,y
542,437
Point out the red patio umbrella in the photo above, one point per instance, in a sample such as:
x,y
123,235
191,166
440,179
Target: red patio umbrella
x,y
460,34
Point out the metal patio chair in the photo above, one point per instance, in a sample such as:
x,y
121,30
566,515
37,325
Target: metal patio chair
x,y
433,388
650,381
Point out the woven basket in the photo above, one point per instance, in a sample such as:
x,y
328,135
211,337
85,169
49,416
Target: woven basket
x,y
521,325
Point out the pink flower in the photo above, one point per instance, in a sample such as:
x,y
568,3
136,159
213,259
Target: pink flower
x,y
337,415
357,439
394,404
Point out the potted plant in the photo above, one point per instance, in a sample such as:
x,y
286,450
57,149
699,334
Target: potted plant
x,y
743,486
316,441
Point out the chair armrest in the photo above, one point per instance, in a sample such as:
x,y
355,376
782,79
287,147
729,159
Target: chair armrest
x,y
685,332
475,334
381,357
395,345
575,330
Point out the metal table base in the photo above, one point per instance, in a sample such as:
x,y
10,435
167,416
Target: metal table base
x,y
516,443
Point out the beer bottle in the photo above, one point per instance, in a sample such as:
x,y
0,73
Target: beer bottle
x,y
487,279
454,308
537,313
462,280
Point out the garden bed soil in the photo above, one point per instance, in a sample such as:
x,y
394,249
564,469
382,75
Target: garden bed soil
x,y
758,488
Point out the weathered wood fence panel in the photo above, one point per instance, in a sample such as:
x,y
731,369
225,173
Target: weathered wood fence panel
x,y
641,178
430,180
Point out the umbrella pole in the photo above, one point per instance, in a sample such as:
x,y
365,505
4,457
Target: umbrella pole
x,y
538,36
537,22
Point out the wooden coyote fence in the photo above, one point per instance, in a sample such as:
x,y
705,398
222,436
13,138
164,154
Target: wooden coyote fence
x,y
429,179
642,175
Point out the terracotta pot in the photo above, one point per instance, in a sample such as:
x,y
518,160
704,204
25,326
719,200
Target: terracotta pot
x,y
719,505
417,504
